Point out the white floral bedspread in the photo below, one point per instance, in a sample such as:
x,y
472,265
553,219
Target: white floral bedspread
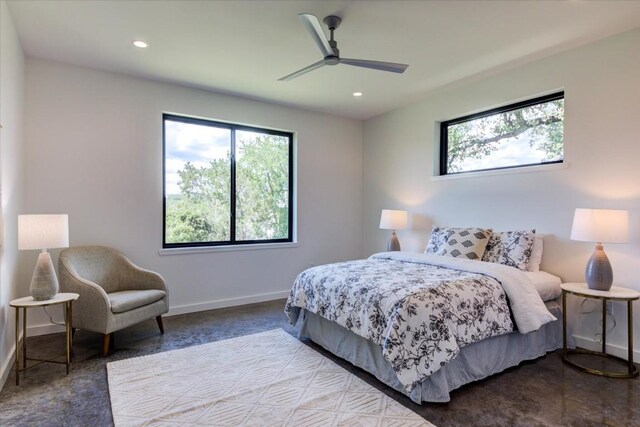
x,y
420,313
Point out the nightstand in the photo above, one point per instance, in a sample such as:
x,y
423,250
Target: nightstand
x,y
23,303
616,293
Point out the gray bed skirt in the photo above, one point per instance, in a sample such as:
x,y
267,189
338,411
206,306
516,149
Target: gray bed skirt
x,y
475,361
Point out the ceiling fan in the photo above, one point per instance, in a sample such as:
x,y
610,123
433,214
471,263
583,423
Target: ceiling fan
x,y
329,49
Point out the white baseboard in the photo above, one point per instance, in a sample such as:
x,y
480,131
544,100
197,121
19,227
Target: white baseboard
x,y
48,328
43,329
229,302
614,350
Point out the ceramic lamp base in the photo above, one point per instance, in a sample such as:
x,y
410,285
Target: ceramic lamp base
x,y
394,243
598,274
44,283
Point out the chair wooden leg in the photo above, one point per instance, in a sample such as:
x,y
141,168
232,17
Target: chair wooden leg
x,y
106,341
160,325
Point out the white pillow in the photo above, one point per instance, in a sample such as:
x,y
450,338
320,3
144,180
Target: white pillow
x,y
536,253
547,285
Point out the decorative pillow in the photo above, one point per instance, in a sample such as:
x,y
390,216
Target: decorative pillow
x,y
438,238
512,248
536,253
467,243
494,248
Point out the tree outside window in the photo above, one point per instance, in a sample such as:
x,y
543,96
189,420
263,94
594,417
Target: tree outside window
x,y
523,134
225,184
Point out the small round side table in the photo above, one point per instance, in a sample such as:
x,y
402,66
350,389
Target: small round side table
x,y
616,293
27,302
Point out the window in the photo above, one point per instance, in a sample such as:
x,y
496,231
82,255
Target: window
x,y
527,133
225,184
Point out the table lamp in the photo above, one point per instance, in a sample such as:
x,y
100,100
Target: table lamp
x,y
43,232
600,226
393,220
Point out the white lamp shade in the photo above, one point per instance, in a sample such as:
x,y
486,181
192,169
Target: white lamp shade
x,y
393,220
43,231
600,225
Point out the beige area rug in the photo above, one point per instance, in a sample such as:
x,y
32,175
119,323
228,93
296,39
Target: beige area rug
x,y
265,379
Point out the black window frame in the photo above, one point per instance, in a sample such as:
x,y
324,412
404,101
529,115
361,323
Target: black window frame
x,y
444,134
233,127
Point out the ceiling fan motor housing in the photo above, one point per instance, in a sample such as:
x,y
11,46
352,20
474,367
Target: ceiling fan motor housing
x,y
332,22
335,58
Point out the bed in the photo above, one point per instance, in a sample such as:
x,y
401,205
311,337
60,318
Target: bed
x,y
426,324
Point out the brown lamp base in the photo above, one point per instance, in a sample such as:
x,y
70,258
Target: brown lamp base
x,y
394,243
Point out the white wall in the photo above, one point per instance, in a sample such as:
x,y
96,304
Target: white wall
x,y
11,168
94,151
602,146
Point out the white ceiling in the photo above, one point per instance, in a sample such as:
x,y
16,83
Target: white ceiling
x,y
243,47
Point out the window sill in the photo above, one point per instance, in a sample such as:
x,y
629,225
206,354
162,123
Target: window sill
x,y
497,172
230,248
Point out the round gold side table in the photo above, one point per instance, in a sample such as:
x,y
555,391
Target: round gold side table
x,y
27,302
616,293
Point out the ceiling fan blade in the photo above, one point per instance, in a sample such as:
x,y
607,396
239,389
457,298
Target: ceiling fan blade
x,y
376,65
305,70
312,25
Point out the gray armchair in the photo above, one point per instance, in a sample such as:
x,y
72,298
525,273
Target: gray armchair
x,y
114,292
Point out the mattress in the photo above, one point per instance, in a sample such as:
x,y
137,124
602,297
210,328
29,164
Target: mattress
x,y
475,361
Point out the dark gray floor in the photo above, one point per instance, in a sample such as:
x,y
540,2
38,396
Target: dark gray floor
x,y
539,393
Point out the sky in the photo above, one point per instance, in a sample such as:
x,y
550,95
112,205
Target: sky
x,y
185,142
515,151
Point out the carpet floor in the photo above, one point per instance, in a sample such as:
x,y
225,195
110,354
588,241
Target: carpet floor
x,y
544,392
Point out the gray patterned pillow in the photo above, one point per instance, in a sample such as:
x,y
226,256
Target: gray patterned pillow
x,y
467,243
512,248
438,238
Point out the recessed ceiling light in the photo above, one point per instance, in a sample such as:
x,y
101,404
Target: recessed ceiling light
x,y
140,44
357,94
